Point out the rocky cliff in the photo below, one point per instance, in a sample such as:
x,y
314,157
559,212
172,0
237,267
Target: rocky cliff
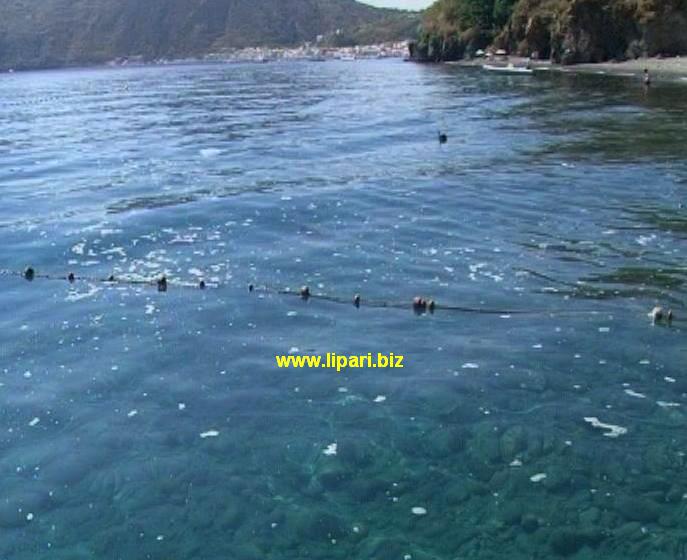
x,y
566,31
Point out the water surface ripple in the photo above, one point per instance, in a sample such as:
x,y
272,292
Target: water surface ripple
x,y
544,435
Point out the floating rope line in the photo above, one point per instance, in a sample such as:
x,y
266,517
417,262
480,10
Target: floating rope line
x,y
419,305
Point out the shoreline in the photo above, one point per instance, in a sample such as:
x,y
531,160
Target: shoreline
x,y
661,69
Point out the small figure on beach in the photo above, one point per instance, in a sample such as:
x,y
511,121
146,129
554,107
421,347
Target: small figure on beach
x,y
647,77
443,138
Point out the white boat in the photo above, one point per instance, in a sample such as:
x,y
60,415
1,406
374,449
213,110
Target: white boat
x,y
510,68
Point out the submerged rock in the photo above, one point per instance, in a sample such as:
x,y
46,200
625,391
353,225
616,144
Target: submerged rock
x,y
568,541
634,508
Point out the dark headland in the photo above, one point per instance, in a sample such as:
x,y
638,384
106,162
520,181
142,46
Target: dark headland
x,y
625,35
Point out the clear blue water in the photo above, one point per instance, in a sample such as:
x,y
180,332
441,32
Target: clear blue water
x,y
555,194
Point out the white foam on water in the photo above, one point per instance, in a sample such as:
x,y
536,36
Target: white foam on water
x,y
612,431
181,406
664,404
669,379
644,240
292,313
209,434
132,413
379,398
74,296
209,153
632,393
418,510
294,350
538,477
604,329
644,362
470,365
34,422
515,463
331,449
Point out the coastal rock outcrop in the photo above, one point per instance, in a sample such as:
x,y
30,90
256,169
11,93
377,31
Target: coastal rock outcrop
x,y
565,31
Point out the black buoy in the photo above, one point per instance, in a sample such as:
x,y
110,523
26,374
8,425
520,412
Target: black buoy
x,y
201,285
29,273
71,277
251,287
162,284
305,292
431,305
443,138
356,300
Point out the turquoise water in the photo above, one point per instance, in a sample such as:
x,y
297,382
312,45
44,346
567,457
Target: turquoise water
x,y
556,195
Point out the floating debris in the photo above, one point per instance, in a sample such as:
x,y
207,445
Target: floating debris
x,y
613,431
330,449
209,434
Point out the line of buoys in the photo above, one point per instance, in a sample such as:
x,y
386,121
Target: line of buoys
x,y
419,304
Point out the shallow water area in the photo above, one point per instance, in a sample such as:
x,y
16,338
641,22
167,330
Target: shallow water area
x,y
143,424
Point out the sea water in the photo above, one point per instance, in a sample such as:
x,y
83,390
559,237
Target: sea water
x,y
139,424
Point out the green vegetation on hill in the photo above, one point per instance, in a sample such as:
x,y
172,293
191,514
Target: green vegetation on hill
x,y
566,31
53,33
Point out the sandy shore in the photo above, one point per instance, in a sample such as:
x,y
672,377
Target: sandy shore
x,y
661,69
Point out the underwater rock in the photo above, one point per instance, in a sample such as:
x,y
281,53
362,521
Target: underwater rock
x,y
383,548
530,523
367,490
512,442
634,508
317,525
510,513
463,490
446,442
333,476
589,516
568,541
354,454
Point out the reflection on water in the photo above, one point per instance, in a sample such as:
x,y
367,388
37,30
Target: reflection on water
x,y
142,424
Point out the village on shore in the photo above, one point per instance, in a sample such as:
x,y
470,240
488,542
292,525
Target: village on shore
x,y
308,51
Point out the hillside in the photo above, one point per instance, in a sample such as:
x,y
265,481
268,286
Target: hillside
x,y
53,33
567,31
